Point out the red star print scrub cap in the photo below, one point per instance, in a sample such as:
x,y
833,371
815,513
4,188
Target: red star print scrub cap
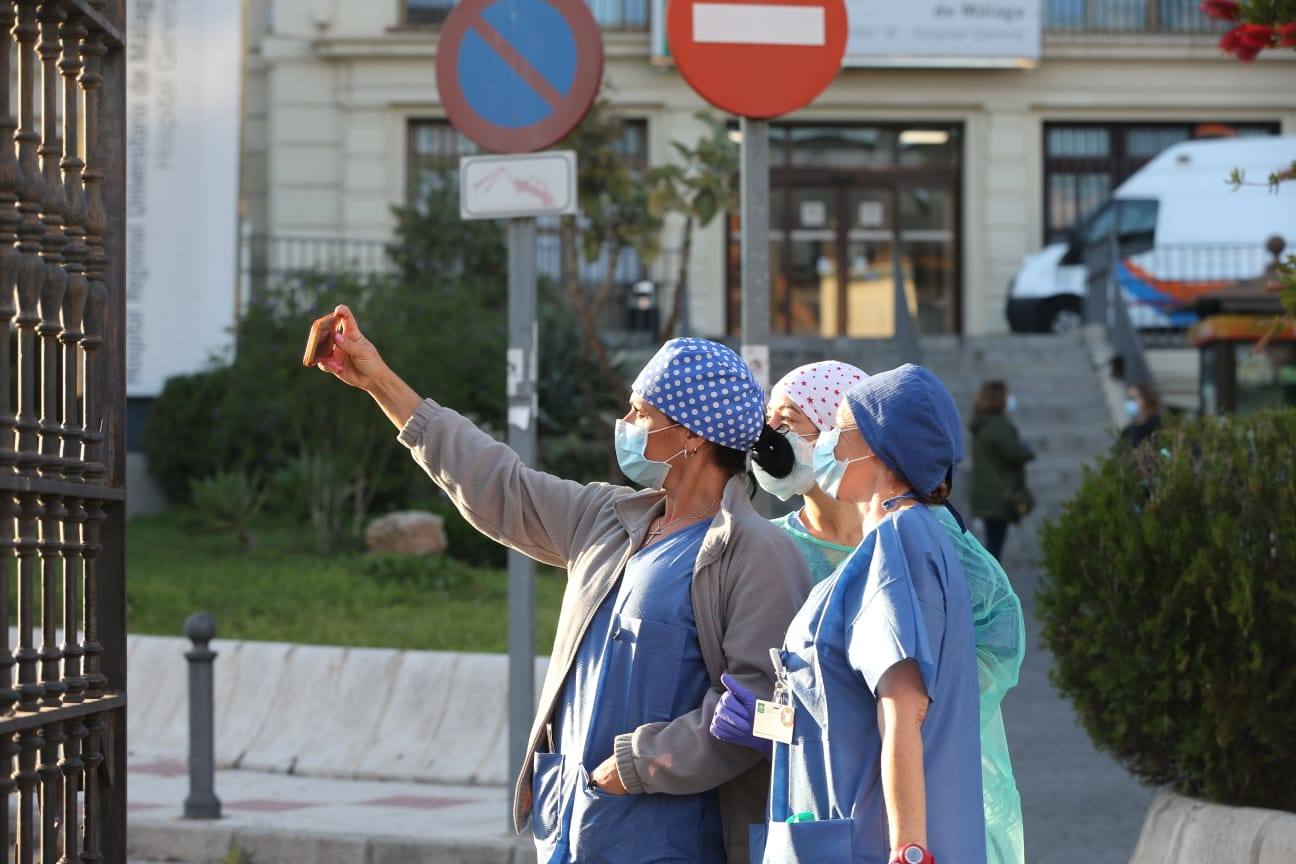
x,y
818,388
706,388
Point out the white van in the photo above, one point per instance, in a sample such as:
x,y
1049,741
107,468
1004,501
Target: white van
x,y
1182,230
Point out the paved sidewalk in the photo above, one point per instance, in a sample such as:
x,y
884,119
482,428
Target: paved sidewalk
x,y
1080,807
277,819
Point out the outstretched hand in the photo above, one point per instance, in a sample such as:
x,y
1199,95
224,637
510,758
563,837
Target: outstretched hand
x,y
354,359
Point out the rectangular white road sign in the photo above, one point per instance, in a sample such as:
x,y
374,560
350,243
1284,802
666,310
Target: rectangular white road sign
x,y
758,24
518,185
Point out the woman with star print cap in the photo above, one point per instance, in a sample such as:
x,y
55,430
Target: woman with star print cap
x,y
672,591
803,406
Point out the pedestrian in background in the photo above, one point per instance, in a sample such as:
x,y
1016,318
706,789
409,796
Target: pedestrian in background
x,y
1000,495
1143,409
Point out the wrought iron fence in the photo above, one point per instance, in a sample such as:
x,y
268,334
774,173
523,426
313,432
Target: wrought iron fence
x,y
62,698
610,14
630,300
620,14
1128,16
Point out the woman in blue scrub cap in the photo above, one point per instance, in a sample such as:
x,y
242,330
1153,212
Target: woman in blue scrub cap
x,y
803,405
883,654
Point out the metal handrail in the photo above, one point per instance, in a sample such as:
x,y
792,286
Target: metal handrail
x,y
1194,268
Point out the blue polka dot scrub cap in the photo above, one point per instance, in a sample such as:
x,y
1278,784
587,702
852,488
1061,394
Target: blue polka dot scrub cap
x,y
707,389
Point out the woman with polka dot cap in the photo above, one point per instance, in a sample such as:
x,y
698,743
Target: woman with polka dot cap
x,y
672,591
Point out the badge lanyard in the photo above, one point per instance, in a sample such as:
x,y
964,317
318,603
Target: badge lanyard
x,y
782,700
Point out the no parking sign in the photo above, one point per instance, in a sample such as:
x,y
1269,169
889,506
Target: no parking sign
x,y
517,75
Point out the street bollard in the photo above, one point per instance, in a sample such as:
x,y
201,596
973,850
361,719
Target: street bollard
x,y
202,802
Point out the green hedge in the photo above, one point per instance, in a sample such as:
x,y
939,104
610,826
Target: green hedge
x,y
1170,606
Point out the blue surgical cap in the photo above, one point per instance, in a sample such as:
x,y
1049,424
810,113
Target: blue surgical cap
x,y
707,389
910,421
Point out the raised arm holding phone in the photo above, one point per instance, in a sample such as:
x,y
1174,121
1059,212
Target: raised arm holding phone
x,y
669,589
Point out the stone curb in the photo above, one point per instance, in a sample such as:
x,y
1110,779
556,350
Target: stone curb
x,y
1181,830
194,842
413,716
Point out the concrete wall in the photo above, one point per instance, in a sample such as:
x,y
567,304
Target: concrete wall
x,y
332,85
365,713
1182,830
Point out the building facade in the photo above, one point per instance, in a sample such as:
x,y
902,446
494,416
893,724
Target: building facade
x,y
966,169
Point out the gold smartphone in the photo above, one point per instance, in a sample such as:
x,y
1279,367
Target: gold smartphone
x,y
319,344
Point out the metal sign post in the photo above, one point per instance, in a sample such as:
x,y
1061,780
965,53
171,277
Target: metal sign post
x,y
522,403
754,180
553,51
519,188
757,60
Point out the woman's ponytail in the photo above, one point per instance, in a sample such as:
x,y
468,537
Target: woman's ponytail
x,y
773,453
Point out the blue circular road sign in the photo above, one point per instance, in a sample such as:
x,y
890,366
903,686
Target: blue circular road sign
x,y
517,75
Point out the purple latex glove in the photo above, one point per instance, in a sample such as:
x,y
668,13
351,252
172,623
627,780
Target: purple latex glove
x,y
733,717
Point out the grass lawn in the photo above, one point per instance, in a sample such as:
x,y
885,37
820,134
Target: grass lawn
x,y
282,592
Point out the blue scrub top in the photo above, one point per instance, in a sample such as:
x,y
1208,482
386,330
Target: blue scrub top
x,y
639,662
901,595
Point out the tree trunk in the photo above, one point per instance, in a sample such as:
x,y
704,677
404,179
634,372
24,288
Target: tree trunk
x,y
584,313
680,296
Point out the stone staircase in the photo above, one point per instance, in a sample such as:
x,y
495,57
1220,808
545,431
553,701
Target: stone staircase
x,y
1061,411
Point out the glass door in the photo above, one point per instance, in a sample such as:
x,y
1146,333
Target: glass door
x,y
927,237
849,204
870,243
813,260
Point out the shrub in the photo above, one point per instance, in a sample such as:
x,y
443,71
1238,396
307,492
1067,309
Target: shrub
x,y
228,501
418,570
1170,604
186,437
310,488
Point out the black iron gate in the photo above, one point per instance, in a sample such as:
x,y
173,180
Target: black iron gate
x,y
62,404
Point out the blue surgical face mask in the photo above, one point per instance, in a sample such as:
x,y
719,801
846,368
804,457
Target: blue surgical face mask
x,y
1131,408
800,481
631,442
1011,406
829,471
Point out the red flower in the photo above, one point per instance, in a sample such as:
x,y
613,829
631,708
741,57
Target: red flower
x,y
1287,34
1247,40
1223,10
1257,36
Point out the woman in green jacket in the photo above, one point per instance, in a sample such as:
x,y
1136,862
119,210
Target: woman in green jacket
x,y
999,456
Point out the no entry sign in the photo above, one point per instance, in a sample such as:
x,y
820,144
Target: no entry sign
x,y
758,59
517,75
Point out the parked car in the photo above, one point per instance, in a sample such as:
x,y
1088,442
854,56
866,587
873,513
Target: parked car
x,y
1182,229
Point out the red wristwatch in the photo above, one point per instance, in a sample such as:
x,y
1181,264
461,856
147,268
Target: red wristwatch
x,y
913,854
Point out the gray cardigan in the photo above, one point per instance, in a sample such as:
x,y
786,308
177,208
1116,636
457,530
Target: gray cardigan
x,y
748,582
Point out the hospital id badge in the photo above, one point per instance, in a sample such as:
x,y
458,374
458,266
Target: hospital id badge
x,y
773,721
